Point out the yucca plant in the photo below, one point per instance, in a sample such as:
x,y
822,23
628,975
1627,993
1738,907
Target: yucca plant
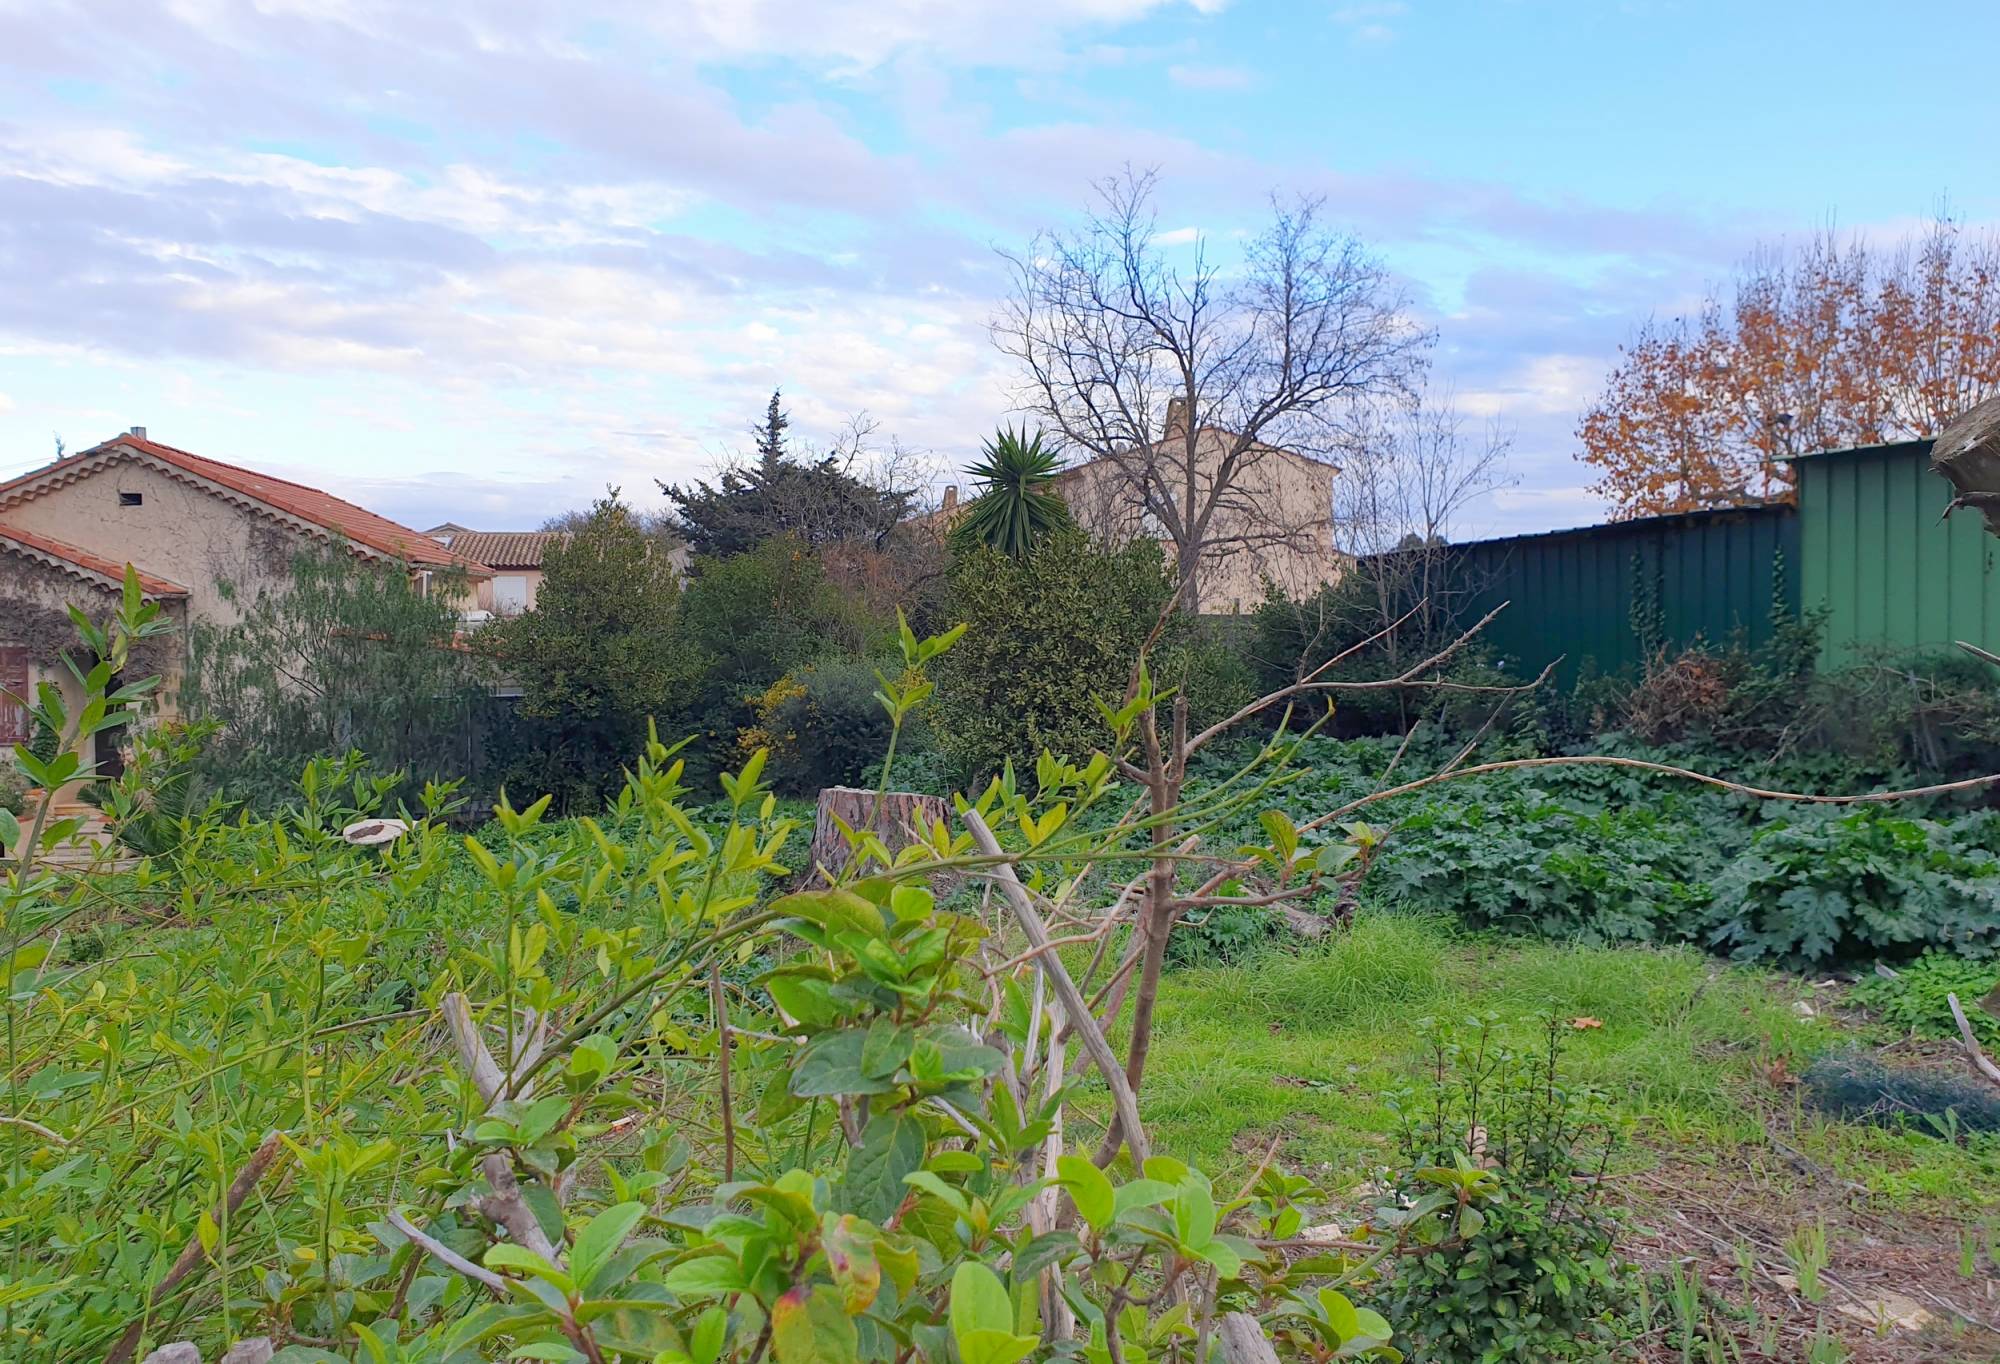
x,y
1017,505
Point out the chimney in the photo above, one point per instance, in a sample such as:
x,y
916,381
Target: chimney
x,y
951,499
139,431
1177,418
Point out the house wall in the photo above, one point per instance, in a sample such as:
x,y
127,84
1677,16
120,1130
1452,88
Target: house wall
x,y
178,532
1275,522
35,585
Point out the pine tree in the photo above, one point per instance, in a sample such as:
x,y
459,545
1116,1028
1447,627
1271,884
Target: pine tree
x,y
771,434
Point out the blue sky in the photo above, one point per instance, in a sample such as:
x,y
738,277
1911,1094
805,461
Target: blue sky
x,y
476,262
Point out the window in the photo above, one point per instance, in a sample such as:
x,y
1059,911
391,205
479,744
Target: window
x,y
510,594
131,499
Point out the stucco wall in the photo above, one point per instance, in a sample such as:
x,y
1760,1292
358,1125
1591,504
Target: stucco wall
x,y
178,532
1275,521
36,585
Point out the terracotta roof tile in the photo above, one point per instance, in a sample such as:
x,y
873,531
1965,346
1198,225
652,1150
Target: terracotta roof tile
x,y
504,548
357,524
83,559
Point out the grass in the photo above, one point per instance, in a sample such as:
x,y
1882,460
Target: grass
x,y
1308,1049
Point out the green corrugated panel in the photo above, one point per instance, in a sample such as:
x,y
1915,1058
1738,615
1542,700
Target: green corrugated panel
x,y
1572,591
1877,557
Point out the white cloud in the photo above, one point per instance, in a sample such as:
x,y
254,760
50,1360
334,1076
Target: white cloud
x,y
6,403
1368,21
1543,385
1212,78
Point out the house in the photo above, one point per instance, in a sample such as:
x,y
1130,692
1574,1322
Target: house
x,y
515,556
184,522
1274,523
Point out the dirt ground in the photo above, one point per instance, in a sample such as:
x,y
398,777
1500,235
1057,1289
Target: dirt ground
x,y
1895,1286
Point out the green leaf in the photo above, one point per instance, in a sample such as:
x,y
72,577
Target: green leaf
x,y
831,1064
507,1255
892,1148
1141,1193
979,1302
1194,1213
1089,1188
705,1276
599,1241
885,1049
832,910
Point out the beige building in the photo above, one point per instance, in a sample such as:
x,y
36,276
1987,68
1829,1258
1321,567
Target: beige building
x,y
515,556
1274,522
186,523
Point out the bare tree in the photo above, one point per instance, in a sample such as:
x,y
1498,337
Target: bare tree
x,y
1187,390
1409,475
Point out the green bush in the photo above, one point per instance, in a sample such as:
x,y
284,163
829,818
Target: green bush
x,y
1913,999
1046,635
596,660
823,724
748,620
1529,1270
1819,886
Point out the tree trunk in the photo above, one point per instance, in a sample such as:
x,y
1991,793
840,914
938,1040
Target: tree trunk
x,y
903,818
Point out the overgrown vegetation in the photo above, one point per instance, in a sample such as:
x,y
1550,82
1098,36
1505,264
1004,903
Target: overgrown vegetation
x,y
340,653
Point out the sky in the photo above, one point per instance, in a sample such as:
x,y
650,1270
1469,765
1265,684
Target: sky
x,y
479,262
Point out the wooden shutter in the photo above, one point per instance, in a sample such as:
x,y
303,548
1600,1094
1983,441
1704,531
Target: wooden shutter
x,y
14,694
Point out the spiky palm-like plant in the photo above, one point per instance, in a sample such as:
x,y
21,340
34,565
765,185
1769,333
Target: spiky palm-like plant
x,y
1017,505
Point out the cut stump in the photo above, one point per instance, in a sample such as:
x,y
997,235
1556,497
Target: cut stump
x,y
901,821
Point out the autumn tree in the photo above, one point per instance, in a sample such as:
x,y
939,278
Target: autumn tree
x,y
1835,344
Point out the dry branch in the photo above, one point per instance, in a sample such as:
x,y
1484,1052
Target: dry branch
x,y
1077,1011
191,1254
1972,1051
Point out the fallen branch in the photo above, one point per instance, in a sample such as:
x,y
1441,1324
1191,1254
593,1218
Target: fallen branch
x,y
445,1255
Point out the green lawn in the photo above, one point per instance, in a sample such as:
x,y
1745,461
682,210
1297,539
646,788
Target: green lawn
x,y
1299,1055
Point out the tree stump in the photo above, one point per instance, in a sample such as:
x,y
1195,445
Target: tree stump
x,y
902,820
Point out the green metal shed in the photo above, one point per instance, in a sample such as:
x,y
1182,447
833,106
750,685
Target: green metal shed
x,y
1874,553
1573,592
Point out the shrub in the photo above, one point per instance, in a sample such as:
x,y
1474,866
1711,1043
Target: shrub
x,y
1526,1269
596,660
748,620
823,724
343,653
1816,887
1047,634
1533,864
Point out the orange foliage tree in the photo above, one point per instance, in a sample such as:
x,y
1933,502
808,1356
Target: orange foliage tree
x,y
1833,345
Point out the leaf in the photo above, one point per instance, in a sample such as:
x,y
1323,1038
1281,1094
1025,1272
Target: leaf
x,y
979,1302
831,1064
1194,1213
849,1244
809,1327
705,1276
1089,1188
886,1047
1141,1193
892,1148
833,910
599,1241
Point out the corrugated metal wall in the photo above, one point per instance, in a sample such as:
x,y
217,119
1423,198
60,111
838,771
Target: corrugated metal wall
x,y
1875,554
1572,592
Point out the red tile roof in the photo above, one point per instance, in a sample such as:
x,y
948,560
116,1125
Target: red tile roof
x,y
23,540
503,548
310,505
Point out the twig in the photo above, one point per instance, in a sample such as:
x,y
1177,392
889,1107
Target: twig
x,y
1122,1099
722,1065
1972,1051
44,1133
445,1255
192,1253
